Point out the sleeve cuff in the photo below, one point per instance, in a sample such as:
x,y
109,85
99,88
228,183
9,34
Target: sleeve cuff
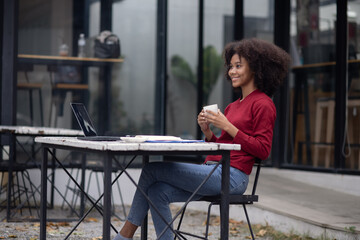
x,y
213,138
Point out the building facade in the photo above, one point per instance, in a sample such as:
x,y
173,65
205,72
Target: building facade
x,y
171,65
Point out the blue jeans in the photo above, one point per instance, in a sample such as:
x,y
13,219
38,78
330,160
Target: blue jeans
x,y
167,182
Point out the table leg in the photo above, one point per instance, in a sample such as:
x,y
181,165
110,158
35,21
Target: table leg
x,y
52,189
107,196
43,202
82,184
144,225
12,157
224,205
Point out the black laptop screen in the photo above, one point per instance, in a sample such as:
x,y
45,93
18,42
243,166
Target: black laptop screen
x,y
83,119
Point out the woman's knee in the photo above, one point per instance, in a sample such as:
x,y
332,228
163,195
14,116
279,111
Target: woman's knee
x,y
158,192
150,167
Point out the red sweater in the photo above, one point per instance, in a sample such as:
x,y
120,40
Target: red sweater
x,y
255,119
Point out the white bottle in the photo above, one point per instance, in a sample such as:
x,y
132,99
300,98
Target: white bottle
x,y
81,45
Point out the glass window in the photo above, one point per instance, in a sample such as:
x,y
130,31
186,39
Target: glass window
x,y
133,81
352,146
181,102
50,75
312,93
259,19
218,31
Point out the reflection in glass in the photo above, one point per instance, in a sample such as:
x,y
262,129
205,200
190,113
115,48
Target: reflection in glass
x,y
182,60
133,82
312,85
352,146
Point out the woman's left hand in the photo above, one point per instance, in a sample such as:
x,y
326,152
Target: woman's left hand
x,y
220,121
217,119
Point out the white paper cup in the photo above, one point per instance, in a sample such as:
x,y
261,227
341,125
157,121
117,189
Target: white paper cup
x,y
214,108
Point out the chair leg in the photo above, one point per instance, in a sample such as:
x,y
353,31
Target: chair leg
x,y
98,186
121,202
248,221
121,199
208,221
26,193
31,107
32,192
66,190
41,108
75,195
180,221
18,192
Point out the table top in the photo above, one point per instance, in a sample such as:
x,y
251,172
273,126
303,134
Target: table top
x,y
70,58
43,131
127,146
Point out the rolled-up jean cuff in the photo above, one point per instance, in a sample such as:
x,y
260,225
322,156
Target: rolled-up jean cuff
x,y
133,222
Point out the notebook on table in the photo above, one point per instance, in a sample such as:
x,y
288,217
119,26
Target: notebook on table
x,y
86,125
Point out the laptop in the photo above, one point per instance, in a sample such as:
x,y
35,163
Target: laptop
x,y
87,126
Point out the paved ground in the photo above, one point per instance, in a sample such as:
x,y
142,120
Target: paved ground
x,y
326,206
320,204
92,227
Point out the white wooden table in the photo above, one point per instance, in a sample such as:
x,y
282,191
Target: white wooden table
x,y
17,131
39,131
110,149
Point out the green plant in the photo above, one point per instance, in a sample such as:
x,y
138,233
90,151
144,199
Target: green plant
x,y
351,229
212,64
212,68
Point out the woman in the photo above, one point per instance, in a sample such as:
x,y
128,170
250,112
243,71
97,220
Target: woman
x,y
257,68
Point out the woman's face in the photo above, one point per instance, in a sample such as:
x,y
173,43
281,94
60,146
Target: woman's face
x,y
240,72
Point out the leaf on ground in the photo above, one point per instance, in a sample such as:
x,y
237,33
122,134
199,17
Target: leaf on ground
x,y
232,221
12,236
18,228
261,233
96,238
91,219
57,224
216,221
234,232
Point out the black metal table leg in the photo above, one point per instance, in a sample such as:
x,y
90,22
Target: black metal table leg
x,y
107,196
144,226
43,205
12,160
224,205
82,184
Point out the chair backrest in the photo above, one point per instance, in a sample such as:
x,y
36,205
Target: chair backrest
x,y
257,174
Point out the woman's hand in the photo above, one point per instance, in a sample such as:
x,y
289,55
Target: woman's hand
x,y
203,123
220,121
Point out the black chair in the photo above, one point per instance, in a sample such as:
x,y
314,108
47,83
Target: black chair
x,y
22,190
63,79
234,199
31,87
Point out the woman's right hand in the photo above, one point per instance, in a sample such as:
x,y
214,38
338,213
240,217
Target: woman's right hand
x,y
203,123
